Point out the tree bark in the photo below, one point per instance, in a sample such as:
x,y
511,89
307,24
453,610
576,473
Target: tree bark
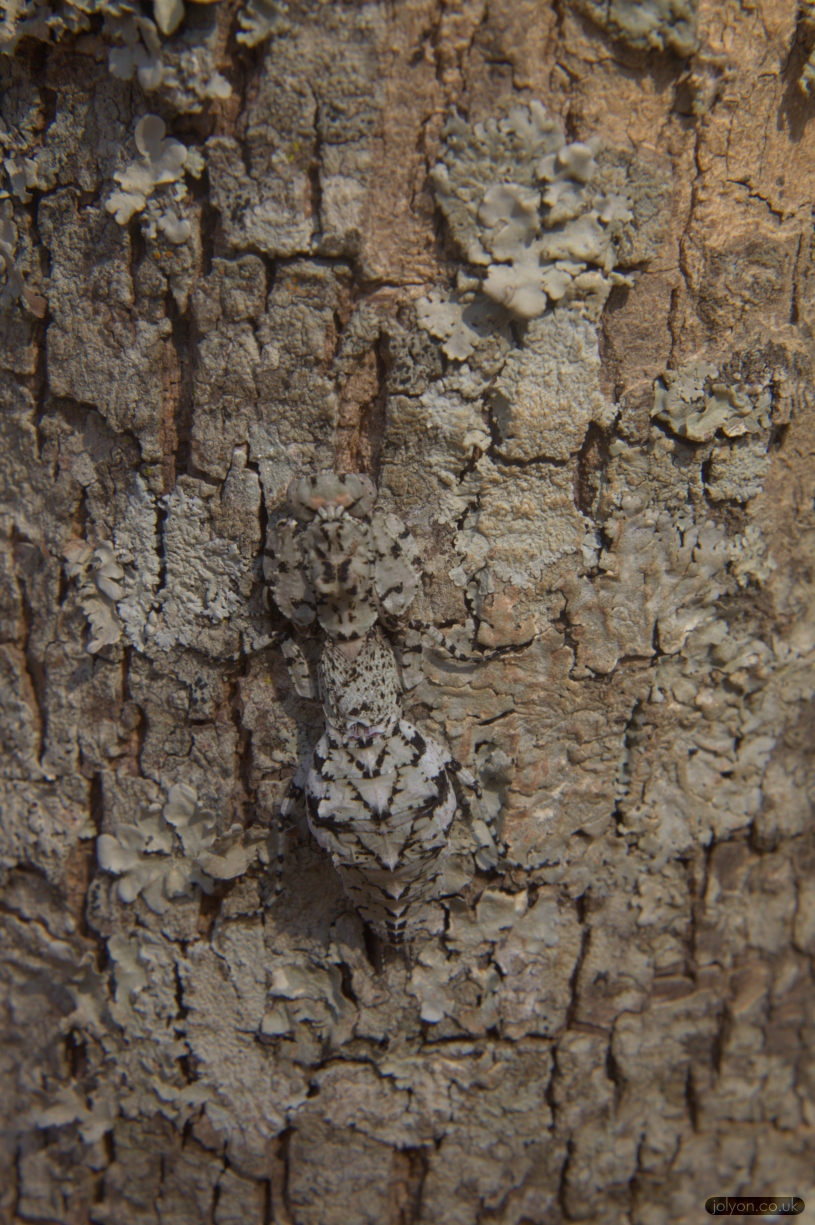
x,y
544,271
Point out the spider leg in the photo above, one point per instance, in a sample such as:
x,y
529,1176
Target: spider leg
x,y
449,647
299,670
294,792
466,776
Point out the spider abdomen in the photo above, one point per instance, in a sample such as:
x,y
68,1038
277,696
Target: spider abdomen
x,y
383,812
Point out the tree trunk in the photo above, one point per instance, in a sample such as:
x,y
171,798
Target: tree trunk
x,y
543,269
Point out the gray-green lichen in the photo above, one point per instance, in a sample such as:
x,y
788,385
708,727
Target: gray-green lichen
x,y
163,161
648,25
697,403
612,998
550,221
170,850
178,62
319,101
136,551
98,575
260,19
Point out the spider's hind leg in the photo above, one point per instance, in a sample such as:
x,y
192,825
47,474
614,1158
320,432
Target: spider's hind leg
x,y
487,854
294,793
465,776
417,631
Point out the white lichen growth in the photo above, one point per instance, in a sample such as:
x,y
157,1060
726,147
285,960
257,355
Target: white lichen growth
x,y
518,539
174,849
460,323
701,404
648,25
163,162
20,169
93,1114
120,581
137,50
36,19
737,470
98,576
549,390
164,53
751,561
23,173
516,943
129,974
184,69
137,553
140,855
530,269
547,228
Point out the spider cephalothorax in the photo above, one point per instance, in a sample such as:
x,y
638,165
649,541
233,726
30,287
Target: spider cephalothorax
x,y
339,562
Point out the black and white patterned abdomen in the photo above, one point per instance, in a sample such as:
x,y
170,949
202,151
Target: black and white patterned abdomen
x,y
383,811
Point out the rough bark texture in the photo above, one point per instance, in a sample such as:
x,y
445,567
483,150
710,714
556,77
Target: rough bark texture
x,y
614,1022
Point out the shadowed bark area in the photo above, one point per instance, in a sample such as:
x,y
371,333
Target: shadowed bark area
x,y
544,270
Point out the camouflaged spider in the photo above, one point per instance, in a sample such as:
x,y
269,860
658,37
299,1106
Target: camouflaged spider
x,y
378,794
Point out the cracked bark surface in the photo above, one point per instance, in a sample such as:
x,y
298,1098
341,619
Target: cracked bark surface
x,y
618,1021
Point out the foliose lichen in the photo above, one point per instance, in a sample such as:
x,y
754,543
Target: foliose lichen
x,y
541,221
648,25
547,228
163,161
206,577
260,19
98,576
699,403
696,404
203,573
163,56
172,849
137,554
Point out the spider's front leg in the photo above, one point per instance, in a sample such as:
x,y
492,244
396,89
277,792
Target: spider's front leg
x,y
299,670
296,662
